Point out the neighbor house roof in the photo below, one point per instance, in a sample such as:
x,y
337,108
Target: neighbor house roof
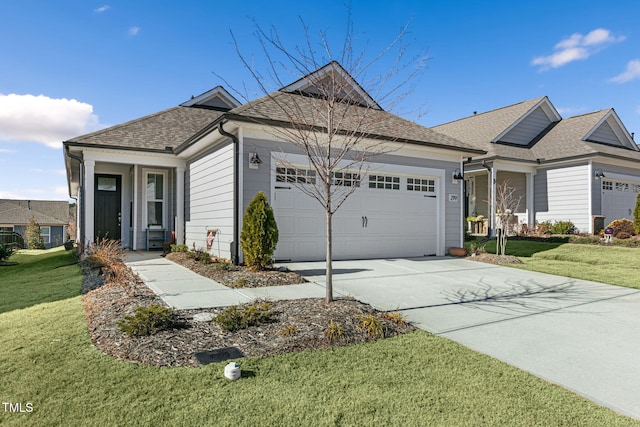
x,y
554,138
157,132
44,212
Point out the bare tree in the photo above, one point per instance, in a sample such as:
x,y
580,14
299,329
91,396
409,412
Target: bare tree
x,y
507,204
327,115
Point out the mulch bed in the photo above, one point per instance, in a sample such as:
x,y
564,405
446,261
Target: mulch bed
x,y
111,295
495,259
237,276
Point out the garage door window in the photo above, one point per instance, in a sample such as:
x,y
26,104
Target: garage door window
x,y
419,184
622,186
385,182
607,185
295,175
346,179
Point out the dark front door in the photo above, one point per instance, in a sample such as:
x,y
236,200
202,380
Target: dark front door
x,y
108,207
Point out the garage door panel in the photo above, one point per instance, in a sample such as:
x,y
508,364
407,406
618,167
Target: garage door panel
x,y
371,223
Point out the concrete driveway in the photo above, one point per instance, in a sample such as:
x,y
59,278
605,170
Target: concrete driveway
x,y
582,335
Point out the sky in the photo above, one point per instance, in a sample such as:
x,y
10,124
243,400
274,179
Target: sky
x,y
70,67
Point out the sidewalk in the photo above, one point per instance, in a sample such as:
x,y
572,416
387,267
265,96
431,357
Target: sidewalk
x,y
182,289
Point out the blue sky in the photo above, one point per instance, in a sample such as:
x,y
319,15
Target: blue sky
x,y
68,67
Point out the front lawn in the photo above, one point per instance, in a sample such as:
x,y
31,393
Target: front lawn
x,y
47,360
40,276
615,265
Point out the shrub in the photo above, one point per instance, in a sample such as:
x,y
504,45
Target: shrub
x,y
623,235
6,251
334,331
239,283
104,253
544,227
200,255
623,225
373,326
636,216
234,318
259,235
563,227
179,248
34,238
395,317
146,321
288,330
222,266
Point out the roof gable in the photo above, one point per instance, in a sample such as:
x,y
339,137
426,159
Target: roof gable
x,y
610,131
529,126
217,98
332,78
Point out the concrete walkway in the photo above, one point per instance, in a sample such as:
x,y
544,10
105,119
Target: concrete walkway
x,y
581,335
183,289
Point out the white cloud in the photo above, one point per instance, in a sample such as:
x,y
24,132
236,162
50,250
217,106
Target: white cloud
x,y
6,150
631,73
49,121
102,8
133,31
570,111
576,47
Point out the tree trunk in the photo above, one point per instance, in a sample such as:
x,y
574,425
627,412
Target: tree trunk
x,y
329,272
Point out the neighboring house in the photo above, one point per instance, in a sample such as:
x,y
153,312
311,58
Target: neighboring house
x,y
193,169
577,169
52,216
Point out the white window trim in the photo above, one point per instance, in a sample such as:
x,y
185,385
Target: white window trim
x,y
43,234
145,213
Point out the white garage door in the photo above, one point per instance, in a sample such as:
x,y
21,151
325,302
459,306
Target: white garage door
x,y
389,215
619,199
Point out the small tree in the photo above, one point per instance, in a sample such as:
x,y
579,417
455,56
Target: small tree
x,y
259,234
636,216
34,238
507,203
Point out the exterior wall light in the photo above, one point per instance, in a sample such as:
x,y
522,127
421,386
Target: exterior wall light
x,y
598,174
456,176
254,161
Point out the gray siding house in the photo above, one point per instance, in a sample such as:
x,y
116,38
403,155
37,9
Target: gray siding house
x,y
193,169
52,216
584,169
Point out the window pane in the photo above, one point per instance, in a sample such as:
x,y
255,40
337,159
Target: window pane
x,y
154,213
106,184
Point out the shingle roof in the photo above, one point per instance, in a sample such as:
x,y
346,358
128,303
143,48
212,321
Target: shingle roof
x,y
45,212
168,128
562,141
282,108
565,140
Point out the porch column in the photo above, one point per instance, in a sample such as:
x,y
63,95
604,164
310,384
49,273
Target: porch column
x,y
89,201
180,205
531,215
492,205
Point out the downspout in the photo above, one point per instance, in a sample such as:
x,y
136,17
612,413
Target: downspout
x,y
235,245
80,215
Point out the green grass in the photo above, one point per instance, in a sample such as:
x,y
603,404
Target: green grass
x,y
607,264
519,248
36,279
46,358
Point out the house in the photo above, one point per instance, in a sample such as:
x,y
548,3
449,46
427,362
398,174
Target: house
x,y
584,169
194,168
52,216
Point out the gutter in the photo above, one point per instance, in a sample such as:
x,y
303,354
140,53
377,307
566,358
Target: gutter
x,y
236,185
80,216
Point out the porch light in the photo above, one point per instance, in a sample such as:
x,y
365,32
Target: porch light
x,y
254,161
456,176
598,174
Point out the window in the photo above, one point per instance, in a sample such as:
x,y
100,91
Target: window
x,y
622,186
155,199
419,184
45,233
294,175
346,179
607,185
636,188
107,184
386,182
